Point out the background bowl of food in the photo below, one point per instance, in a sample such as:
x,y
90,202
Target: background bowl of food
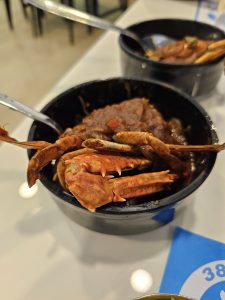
x,y
131,166
181,65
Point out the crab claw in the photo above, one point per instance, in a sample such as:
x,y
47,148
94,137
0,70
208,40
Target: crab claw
x,y
81,174
141,185
93,191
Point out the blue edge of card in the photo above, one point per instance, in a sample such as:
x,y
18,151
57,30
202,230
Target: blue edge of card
x,y
189,252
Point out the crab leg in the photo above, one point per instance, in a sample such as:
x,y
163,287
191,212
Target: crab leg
x,y
37,145
140,185
117,147
142,138
44,156
145,138
103,145
159,147
198,148
46,151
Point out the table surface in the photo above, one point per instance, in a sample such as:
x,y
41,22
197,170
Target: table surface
x,y
44,255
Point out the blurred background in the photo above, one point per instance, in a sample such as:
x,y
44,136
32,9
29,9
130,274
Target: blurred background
x,y
36,49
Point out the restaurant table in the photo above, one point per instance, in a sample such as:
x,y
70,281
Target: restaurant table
x,y
44,255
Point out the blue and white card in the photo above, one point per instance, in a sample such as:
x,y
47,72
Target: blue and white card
x,y
207,11
195,267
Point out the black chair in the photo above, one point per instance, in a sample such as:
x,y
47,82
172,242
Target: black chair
x,y
24,8
69,23
37,28
9,13
92,7
37,16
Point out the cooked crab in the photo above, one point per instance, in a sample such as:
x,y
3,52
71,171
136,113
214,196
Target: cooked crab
x,y
88,173
131,115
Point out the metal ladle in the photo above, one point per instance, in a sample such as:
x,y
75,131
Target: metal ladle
x,y
29,112
152,42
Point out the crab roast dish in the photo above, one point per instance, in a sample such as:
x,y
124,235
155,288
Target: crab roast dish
x,y
190,50
117,153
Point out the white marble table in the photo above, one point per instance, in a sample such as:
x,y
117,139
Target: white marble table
x,y
43,255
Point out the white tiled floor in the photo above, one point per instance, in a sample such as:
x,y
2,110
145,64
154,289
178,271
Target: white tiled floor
x,y
30,66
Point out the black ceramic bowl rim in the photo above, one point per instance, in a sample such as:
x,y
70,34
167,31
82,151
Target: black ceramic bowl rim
x,y
169,200
144,59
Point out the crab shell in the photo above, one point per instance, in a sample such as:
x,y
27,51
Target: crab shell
x,y
88,177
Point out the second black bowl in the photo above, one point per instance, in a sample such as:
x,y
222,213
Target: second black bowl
x,y
143,214
195,80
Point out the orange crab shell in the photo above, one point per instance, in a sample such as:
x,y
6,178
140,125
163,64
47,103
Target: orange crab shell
x,y
86,174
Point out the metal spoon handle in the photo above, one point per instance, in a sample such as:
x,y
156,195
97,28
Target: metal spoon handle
x,y
79,16
29,112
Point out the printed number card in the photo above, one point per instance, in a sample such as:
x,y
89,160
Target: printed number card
x,y
207,11
195,267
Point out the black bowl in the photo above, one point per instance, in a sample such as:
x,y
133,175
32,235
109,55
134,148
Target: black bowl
x,y
195,80
132,216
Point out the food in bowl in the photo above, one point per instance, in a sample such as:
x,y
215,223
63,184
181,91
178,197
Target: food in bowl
x,y
195,79
137,215
190,50
130,135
